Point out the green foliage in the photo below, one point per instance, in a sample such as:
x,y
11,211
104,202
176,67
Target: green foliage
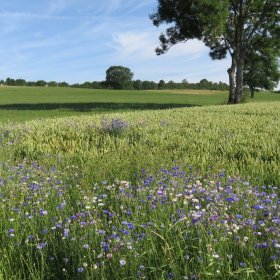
x,y
41,83
119,77
261,72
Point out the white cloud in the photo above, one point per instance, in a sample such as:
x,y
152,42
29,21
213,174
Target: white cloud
x,y
130,45
141,46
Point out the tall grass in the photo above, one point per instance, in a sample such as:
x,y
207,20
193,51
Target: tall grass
x,y
174,194
242,139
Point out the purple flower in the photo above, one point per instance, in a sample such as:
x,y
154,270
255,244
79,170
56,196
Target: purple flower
x,y
102,232
258,207
41,246
43,212
80,269
242,264
66,232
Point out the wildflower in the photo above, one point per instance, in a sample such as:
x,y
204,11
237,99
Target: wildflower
x,y
109,256
43,212
242,264
66,232
102,232
80,269
41,246
122,262
170,275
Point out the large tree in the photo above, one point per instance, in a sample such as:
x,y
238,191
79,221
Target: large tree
x,y
261,71
119,77
225,26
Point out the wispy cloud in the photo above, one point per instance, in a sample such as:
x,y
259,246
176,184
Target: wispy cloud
x,y
31,16
140,46
57,6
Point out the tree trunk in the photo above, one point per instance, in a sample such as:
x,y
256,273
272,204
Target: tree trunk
x,y
231,74
239,76
239,51
252,92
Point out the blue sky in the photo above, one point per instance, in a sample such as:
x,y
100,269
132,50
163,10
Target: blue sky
x,y
76,41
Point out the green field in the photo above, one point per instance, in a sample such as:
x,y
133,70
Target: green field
x,y
121,190
27,103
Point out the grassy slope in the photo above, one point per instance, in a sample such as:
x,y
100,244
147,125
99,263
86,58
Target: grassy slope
x,y
27,103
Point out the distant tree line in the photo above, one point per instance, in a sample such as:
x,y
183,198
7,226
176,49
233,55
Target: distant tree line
x,y
134,84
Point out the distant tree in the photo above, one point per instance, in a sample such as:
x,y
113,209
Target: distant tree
x,y
261,71
52,84
10,82
20,82
170,85
63,84
41,83
185,83
119,77
96,85
161,84
225,26
205,84
31,84
137,84
149,85
86,85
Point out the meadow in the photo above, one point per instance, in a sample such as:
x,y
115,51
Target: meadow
x,y
186,192
29,103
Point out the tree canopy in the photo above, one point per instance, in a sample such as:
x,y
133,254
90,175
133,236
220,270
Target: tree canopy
x,y
119,77
233,27
261,71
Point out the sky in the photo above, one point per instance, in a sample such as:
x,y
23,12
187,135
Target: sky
x,y
78,40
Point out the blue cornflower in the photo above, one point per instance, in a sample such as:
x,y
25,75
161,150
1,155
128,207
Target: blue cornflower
x,y
102,232
66,232
258,207
41,246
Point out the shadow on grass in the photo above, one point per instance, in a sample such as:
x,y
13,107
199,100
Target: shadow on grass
x,y
87,107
